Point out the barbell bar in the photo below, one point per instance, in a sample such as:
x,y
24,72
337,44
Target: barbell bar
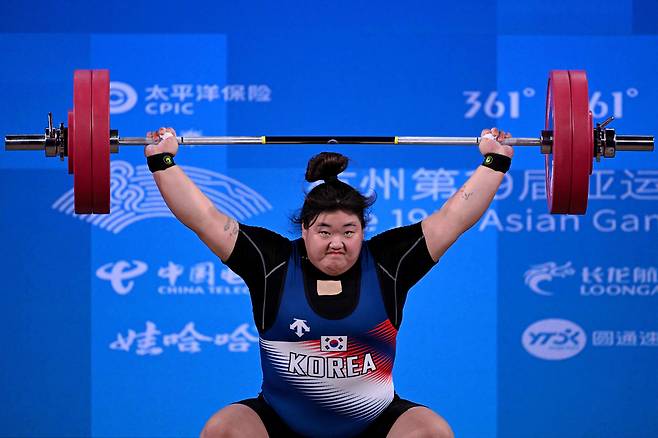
x,y
568,141
37,142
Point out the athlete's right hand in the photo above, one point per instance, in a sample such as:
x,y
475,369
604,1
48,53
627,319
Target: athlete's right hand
x,y
164,140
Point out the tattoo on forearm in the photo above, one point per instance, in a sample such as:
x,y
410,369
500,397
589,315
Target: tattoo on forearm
x,y
464,194
232,225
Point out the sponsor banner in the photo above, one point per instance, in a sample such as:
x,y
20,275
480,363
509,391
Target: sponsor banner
x,y
553,311
153,342
576,293
154,83
160,296
554,339
406,196
198,279
592,281
45,307
576,312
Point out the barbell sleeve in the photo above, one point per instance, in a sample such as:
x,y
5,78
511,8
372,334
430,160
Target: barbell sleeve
x,y
25,142
642,143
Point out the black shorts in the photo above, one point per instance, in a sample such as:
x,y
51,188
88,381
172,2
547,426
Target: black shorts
x,y
277,428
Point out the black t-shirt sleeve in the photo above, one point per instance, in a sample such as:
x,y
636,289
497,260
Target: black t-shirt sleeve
x,y
402,260
260,257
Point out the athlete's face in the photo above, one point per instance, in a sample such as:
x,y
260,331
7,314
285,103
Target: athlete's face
x,y
333,242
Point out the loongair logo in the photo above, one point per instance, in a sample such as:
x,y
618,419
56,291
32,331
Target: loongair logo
x,y
554,339
546,272
123,97
120,271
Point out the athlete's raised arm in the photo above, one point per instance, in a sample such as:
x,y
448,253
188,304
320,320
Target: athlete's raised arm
x,y
468,204
217,230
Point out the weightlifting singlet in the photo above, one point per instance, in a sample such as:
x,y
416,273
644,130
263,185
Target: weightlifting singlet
x,y
328,377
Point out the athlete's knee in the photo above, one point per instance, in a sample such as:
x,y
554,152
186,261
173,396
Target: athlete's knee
x,y
218,428
421,422
435,430
438,427
234,421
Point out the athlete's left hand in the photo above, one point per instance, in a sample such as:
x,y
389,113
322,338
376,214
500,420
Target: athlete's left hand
x,y
489,142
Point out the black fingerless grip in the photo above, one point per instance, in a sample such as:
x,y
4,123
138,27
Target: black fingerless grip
x,y
160,161
497,162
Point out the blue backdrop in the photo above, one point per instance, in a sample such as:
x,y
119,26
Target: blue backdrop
x,y
126,325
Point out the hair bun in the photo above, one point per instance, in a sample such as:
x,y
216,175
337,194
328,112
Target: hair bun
x,y
325,165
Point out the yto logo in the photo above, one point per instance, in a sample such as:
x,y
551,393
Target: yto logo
x,y
123,97
117,273
554,339
546,272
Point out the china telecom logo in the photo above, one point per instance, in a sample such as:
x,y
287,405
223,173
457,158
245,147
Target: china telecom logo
x,y
121,274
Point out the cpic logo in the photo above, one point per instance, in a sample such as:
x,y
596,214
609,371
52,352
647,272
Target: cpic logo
x,y
554,339
120,271
123,97
546,272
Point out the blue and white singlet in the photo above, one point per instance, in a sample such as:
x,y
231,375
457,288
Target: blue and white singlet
x,y
329,377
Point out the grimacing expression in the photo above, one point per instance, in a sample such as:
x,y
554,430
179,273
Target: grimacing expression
x,y
333,242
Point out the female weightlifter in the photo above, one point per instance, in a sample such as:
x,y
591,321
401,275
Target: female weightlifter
x,y
328,306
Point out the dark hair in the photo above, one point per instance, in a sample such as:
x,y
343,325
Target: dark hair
x,y
333,194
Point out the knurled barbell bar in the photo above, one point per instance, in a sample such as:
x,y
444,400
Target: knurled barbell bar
x,y
568,141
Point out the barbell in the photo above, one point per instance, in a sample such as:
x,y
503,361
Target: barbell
x,y
568,141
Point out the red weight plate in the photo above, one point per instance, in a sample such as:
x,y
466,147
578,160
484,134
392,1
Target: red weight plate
x,y
591,129
583,142
70,146
82,176
100,139
558,162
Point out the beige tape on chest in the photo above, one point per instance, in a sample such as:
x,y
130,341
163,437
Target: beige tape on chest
x,y
329,287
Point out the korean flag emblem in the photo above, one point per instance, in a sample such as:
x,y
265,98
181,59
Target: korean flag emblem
x,y
333,343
